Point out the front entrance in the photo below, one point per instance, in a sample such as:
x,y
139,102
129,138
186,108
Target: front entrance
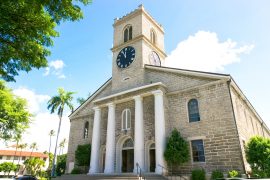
x,y
152,153
128,156
127,160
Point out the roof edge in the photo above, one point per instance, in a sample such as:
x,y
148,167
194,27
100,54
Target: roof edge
x,y
189,72
90,97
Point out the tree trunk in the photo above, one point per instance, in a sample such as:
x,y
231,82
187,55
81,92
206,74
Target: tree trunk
x,y
55,149
18,164
50,144
14,155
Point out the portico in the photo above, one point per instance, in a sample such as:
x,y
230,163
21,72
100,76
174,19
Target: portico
x,y
116,154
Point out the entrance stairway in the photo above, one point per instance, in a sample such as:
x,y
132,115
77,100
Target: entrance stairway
x,y
125,176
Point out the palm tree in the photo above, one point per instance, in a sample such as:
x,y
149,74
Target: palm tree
x,y
52,133
62,146
20,146
33,147
18,137
57,103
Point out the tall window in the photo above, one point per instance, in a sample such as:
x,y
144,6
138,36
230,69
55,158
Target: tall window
x,y
193,110
126,119
128,33
86,130
153,36
197,151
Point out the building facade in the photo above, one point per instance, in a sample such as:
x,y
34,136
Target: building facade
x,y
128,119
19,156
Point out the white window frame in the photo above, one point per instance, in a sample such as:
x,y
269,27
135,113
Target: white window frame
x,y
126,119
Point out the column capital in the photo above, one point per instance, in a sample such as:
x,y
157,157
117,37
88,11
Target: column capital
x,y
158,92
96,108
137,98
111,105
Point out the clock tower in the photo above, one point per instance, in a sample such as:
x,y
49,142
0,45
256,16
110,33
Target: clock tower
x,y
138,40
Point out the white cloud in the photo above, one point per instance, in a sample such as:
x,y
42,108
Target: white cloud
x,y
55,68
57,64
43,121
204,51
40,128
34,100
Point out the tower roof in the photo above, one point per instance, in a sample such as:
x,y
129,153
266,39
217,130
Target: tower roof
x,y
133,13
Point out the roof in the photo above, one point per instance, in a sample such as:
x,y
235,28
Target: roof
x,y
91,97
22,153
188,72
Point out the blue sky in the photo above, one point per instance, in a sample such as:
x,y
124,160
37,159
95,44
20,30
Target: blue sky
x,y
240,33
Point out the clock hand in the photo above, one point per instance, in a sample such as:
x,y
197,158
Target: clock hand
x,y
125,54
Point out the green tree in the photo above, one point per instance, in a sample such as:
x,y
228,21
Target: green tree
x,y
33,147
82,155
258,156
27,29
62,146
81,100
177,150
57,103
7,167
34,165
61,164
14,117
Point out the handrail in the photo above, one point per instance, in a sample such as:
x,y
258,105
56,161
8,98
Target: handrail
x,y
139,171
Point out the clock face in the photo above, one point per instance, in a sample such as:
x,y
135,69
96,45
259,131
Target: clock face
x,y
154,59
125,57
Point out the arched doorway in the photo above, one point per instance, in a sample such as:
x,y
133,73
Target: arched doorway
x,y
152,158
127,156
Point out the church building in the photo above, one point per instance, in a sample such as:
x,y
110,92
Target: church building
x,y
128,119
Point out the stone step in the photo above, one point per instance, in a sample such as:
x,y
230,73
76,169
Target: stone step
x,y
109,177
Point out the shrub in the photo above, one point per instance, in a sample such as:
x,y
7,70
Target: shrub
x,y
61,164
75,171
177,149
82,155
198,174
216,174
233,173
258,156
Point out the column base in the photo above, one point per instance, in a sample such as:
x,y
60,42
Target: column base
x,y
92,171
108,171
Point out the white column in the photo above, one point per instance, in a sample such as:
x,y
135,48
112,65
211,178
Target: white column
x,y
160,138
138,134
110,141
94,164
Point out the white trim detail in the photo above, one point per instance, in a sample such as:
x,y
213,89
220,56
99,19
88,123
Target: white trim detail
x,y
129,91
125,119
